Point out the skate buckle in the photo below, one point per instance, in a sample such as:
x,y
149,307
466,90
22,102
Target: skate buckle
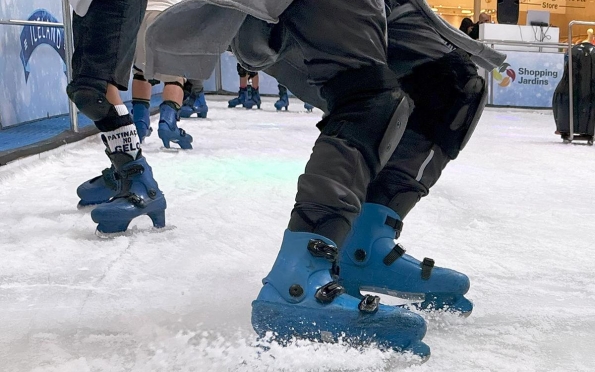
x,y
369,304
136,200
328,292
110,178
426,268
133,170
396,224
394,254
319,248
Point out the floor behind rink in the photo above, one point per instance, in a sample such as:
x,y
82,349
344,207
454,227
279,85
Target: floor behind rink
x,y
515,212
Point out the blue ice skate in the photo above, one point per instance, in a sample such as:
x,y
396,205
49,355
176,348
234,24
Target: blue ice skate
x,y
308,107
370,261
99,189
252,99
168,129
139,195
283,101
240,99
301,298
141,116
195,104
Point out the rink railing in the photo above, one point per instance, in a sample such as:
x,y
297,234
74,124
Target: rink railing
x,y
68,49
570,76
505,45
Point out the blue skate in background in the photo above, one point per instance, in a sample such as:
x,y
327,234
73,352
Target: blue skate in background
x,y
283,101
301,298
371,261
195,104
252,98
168,129
141,116
239,100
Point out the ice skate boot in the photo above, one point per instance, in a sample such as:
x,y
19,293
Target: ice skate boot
x,y
99,189
168,129
252,99
308,107
371,261
283,101
139,195
141,116
195,104
301,298
240,99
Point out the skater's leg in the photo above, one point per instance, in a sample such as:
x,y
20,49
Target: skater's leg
x,y
173,95
104,48
141,87
344,46
243,92
253,95
438,128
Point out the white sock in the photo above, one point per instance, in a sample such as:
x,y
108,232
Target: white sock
x,y
124,139
121,109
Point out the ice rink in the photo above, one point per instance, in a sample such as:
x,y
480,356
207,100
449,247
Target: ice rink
x,y
515,211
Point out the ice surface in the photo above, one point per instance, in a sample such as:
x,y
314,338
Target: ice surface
x,y
515,211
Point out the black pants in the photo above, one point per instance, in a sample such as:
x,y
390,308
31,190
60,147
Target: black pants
x,y
105,40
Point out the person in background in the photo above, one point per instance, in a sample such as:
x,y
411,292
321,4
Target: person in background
x,y
483,18
466,25
173,90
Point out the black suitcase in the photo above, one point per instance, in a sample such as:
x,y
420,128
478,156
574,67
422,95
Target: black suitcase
x,y
583,69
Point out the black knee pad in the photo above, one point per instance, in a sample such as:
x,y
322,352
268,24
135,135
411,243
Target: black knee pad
x,y
367,109
242,72
449,97
89,96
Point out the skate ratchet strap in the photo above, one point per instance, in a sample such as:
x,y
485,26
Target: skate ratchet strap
x,y
396,224
369,304
394,254
328,292
132,170
319,248
426,268
109,177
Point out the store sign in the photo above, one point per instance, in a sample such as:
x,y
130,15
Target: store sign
x,y
527,79
552,6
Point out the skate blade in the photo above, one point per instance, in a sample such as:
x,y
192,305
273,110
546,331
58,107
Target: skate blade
x,y
171,149
86,207
414,300
133,231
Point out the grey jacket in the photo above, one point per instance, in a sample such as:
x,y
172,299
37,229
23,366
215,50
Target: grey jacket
x,y
188,38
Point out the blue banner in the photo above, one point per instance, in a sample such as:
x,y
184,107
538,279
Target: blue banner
x,y
527,79
34,36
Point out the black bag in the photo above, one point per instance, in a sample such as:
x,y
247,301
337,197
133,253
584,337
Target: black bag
x,y
583,69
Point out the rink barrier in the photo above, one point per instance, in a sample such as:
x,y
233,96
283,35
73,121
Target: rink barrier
x,y
529,75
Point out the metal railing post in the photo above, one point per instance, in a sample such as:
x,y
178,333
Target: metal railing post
x,y
69,50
